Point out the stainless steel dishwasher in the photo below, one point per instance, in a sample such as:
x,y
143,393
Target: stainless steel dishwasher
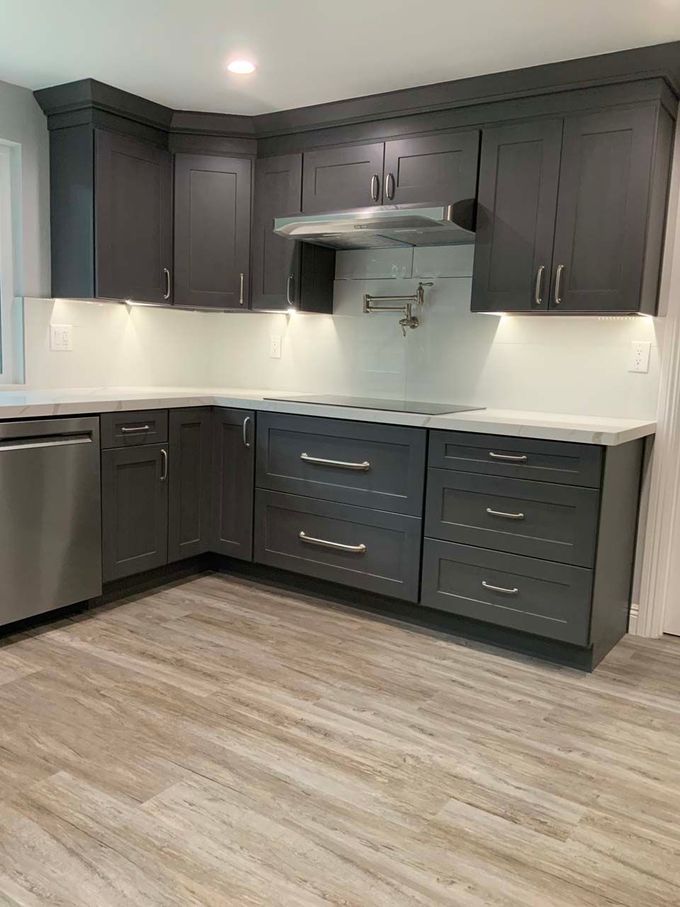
x,y
50,515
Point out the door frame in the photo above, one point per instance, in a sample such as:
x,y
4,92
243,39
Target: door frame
x,y
660,570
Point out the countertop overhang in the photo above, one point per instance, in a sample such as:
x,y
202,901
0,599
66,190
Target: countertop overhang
x,y
601,430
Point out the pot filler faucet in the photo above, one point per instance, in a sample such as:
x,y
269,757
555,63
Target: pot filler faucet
x,y
372,304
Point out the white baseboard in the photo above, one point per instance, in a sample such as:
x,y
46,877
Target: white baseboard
x,y
633,618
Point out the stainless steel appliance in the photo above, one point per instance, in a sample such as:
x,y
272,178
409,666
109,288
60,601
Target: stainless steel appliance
x,y
50,515
384,227
392,406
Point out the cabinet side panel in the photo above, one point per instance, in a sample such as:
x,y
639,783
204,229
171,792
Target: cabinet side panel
x,y
658,210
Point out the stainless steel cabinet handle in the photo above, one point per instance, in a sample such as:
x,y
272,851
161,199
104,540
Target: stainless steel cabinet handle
x,y
507,516
166,295
375,187
246,423
164,461
240,297
515,458
324,543
558,284
127,430
341,464
54,442
538,296
502,589
389,186
289,294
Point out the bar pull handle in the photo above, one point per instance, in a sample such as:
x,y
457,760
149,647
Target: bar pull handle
x,y
324,543
168,284
289,290
242,283
506,516
538,294
340,464
164,464
389,186
514,458
375,187
558,284
129,430
246,423
502,589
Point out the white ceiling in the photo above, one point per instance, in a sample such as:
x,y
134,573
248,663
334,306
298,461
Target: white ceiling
x,y
308,51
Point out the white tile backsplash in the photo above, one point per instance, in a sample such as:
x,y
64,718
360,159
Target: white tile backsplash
x,y
563,364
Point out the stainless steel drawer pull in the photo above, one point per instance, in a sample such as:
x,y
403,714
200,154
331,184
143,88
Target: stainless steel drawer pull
x,y
538,296
389,186
324,543
168,285
558,284
340,464
164,461
514,458
506,516
375,187
246,423
128,430
502,589
241,299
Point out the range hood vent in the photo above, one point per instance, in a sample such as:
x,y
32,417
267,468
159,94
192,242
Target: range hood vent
x,y
385,227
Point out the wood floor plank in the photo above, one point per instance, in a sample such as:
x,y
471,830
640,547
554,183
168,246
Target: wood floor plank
x,y
220,742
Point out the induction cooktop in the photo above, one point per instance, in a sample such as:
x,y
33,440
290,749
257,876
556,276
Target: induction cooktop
x,y
395,406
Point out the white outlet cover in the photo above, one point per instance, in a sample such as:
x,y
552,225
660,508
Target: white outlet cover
x,y
275,346
61,337
640,351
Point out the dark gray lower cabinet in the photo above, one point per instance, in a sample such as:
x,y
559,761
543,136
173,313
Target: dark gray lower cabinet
x,y
233,482
190,482
134,509
366,549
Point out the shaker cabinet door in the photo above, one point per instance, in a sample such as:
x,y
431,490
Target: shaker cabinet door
x,y
233,482
337,179
133,218
602,213
437,169
190,482
212,231
517,200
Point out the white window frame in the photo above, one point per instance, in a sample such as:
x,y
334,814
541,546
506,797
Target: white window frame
x,y
11,304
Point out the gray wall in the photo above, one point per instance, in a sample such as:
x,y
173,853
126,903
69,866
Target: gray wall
x,y
22,121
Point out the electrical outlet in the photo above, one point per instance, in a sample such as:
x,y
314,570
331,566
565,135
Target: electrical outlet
x,y
639,356
275,346
61,337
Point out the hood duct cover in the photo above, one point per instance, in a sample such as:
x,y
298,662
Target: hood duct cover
x,y
388,226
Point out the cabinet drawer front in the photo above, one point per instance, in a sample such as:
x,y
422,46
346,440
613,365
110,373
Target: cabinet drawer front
x,y
537,519
377,466
363,548
522,458
133,429
540,597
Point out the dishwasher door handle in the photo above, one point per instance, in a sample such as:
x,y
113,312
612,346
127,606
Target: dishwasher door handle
x,y
36,443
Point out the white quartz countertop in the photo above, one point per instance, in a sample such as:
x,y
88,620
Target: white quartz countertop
x,y
19,404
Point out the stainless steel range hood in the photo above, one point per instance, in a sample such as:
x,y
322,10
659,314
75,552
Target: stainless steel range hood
x,y
388,226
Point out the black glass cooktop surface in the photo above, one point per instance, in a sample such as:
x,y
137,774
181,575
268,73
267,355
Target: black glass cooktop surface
x,y
394,406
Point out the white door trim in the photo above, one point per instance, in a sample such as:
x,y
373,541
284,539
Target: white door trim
x,y
661,557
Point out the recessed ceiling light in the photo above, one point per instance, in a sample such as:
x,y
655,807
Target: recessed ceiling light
x,y
241,67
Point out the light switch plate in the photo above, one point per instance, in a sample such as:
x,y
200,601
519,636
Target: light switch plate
x,y
61,337
639,356
275,346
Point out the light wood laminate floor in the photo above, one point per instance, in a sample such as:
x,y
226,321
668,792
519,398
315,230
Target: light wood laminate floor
x,y
220,742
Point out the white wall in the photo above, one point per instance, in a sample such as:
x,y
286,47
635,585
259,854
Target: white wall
x,y
573,365
22,122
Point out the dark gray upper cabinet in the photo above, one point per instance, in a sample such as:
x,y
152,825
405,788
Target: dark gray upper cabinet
x,y
212,231
518,180
571,213
134,509
336,179
602,212
286,274
190,482
233,482
435,168
133,218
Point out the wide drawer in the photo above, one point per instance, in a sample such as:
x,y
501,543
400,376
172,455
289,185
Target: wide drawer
x,y
366,549
523,593
376,466
537,519
522,458
134,428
